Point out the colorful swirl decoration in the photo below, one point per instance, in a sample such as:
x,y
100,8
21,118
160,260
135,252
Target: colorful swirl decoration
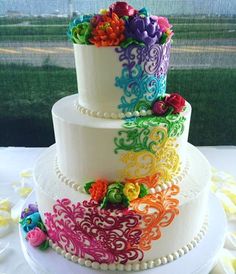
x,y
143,76
139,86
89,232
164,207
150,148
112,235
148,133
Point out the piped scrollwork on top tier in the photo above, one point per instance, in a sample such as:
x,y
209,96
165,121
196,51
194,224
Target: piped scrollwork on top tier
x,y
143,76
133,44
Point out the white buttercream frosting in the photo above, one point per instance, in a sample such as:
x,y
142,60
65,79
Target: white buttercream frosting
x,y
85,144
183,231
80,187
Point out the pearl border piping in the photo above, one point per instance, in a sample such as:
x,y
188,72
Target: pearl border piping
x,y
138,265
111,115
80,188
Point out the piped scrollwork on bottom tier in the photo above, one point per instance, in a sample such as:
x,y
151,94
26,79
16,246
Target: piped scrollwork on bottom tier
x,y
112,235
143,265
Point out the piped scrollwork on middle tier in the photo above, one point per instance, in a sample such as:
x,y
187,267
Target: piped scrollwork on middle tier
x,y
149,148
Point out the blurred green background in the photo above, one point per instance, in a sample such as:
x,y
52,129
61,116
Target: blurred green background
x,y
29,89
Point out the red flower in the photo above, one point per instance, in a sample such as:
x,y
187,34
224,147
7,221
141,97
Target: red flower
x,y
159,108
176,101
98,190
122,9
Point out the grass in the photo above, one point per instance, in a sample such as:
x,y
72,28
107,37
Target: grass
x,y
58,20
28,93
55,29
33,20
212,94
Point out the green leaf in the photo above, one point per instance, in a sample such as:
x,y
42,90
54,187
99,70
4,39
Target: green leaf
x,y
21,221
125,201
143,12
44,245
130,41
143,191
142,105
41,226
163,38
87,186
104,202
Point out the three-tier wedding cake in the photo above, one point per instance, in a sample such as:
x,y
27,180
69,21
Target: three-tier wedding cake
x,y
122,189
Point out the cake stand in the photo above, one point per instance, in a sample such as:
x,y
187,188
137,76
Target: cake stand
x,y
200,260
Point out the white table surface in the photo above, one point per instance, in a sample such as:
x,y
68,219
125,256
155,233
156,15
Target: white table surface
x,y
15,159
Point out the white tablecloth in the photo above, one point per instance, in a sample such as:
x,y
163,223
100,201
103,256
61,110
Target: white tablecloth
x,y
14,159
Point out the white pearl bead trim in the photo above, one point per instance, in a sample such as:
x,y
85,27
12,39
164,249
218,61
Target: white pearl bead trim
x,y
138,265
79,187
111,115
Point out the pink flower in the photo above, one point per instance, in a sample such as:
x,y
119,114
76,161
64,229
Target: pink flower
x,y
159,108
163,23
122,9
36,237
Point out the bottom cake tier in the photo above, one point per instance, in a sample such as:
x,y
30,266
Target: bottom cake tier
x,y
156,229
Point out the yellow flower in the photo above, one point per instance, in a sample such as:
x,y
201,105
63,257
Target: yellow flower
x,y
131,191
103,11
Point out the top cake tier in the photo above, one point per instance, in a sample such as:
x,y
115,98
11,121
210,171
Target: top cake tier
x,y
117,80
121,58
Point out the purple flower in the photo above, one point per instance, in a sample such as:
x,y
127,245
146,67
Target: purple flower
x,y
143,29
32,208
95,20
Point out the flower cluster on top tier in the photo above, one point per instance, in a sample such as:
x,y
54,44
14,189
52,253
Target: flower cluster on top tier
x,y
33,227
115,193
120,25
172,103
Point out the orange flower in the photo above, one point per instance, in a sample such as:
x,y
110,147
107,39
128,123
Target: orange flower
x,y
109,31
98,190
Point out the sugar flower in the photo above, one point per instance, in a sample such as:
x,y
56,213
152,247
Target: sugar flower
x,y
176,101
122,9
30,222
109,31
159,108
131,191
74,24
36,237
115,193
143,29
82,33
98,190
163,23
32,208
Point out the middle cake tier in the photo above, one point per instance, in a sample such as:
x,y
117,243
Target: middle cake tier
x,y
150,150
